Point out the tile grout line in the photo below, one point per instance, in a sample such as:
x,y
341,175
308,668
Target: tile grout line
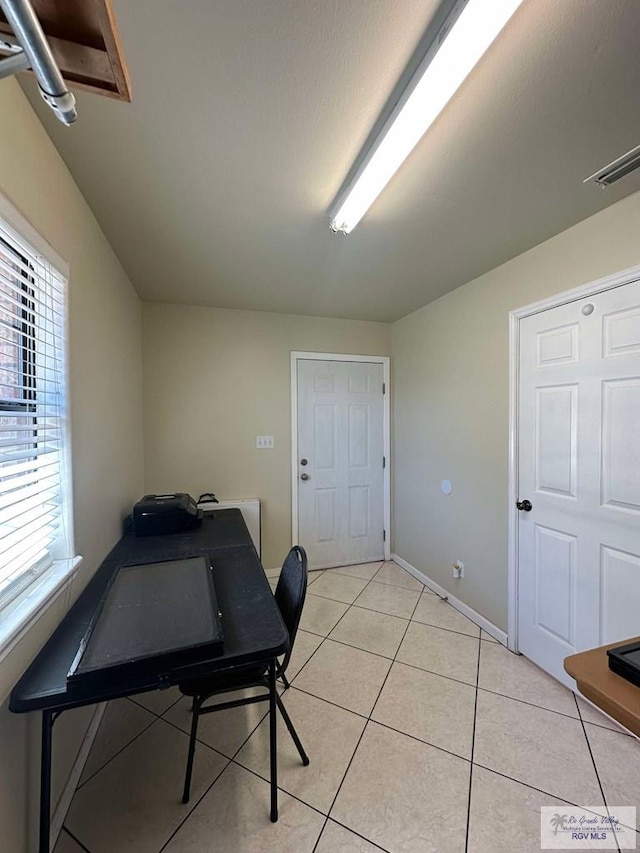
x,y
177,728
404,618
439,674
429,743
164,720
393,660
281,790
432,672
530,704
477,689
199,800
351,646
494,692
593,760
595,766
212,748
373,707
333,627
382,583
386,583
370,609
81,784
618,731
228,760
144,707
404,663
586,723
232,760
173,726
366,722
359,834
366,719
128,744
527,785
77,840
218,776
473,746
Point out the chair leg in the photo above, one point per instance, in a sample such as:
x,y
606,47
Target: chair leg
x,y
280,674
197,702
273,750
293,732
285,681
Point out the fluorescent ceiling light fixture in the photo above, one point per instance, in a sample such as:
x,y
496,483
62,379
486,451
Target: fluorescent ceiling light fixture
x,y
440,74
620,168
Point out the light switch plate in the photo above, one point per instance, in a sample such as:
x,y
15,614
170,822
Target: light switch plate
x,y
264,442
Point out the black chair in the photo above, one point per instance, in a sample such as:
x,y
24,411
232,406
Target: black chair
x,y
290,595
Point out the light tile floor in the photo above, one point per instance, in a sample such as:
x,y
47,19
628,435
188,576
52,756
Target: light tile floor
x,y
425,736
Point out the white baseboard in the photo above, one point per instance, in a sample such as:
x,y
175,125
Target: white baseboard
x,y
497,633
64,802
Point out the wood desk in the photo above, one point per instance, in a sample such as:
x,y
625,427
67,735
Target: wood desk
x,y
616,696
253,630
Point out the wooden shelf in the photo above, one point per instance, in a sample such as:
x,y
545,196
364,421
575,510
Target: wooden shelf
x,y
616,696
85,42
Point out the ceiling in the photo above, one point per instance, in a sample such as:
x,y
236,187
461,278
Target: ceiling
x,y
214,185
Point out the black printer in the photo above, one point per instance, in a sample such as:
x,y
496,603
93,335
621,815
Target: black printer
x,y
157,515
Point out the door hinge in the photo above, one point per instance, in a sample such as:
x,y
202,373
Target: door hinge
x,y
384,535
384,387
384,461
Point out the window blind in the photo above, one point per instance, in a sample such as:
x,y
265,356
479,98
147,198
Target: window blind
x,y
32,414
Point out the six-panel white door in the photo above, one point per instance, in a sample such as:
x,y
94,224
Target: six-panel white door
x,y
579,465
340,462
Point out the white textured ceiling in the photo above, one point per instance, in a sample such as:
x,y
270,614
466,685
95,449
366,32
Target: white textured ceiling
x,y
214,185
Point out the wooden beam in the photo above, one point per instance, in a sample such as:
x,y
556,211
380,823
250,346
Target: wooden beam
x,y
86,45
109,27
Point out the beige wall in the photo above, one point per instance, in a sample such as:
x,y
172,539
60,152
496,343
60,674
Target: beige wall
x,y
106,415
216,378
450,381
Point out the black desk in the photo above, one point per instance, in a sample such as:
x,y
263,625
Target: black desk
x,y
253,629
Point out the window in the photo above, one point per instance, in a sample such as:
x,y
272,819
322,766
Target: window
x,y
34,492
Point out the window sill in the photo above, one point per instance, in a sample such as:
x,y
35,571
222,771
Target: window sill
x,y
19,621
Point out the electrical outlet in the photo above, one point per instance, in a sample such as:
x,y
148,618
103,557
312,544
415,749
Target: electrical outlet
x,y
264,442
458,569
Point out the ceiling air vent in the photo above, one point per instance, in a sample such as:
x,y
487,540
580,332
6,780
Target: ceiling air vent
x,y
618,169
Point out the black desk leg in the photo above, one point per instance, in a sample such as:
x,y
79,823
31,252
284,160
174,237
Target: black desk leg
x,y
45,782
273,750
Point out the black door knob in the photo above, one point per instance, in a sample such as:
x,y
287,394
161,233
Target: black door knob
x,y
524,506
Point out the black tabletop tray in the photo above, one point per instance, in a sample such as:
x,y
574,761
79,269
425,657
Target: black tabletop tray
x,y
625,661
151,617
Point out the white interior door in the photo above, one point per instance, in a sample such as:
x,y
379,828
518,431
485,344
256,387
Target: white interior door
x,y
579,466
340,461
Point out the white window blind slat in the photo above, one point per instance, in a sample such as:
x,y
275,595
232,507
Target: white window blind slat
x,y
31,477
39,532
33,564
27,490
33,489
20,435
30,555
27,266
16,515
6,466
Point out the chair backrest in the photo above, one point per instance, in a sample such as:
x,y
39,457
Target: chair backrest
x,y
290,594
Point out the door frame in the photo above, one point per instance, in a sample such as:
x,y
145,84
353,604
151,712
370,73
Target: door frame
x,y
385,361
601,285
